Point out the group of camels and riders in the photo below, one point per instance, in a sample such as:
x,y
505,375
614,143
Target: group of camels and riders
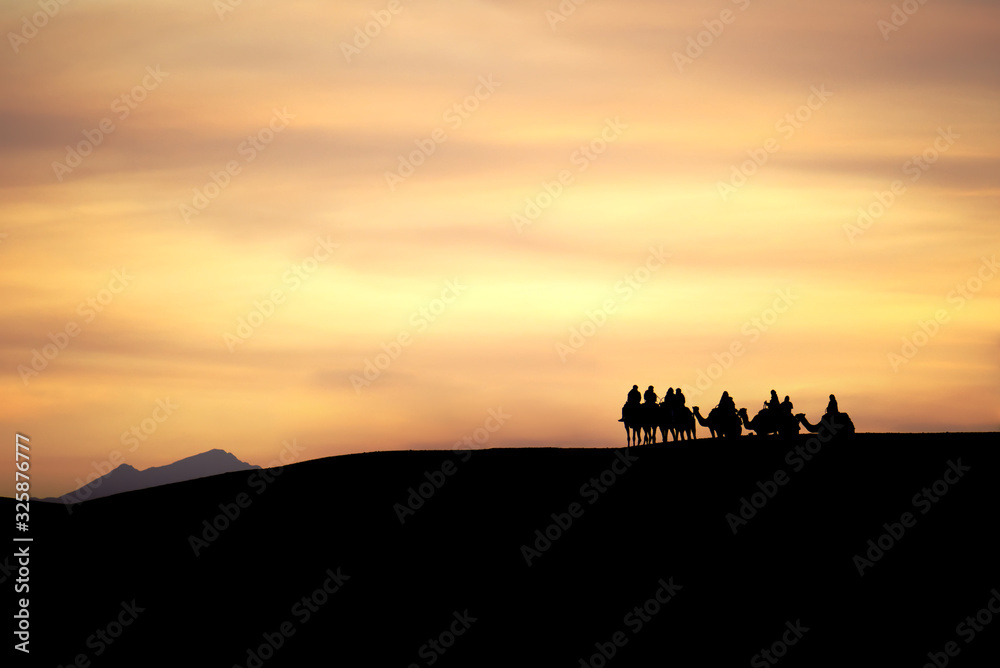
x,y
644,414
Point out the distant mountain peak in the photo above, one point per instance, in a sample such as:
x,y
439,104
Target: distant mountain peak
x,y
127,478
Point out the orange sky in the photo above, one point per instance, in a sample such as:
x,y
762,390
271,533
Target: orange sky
x,y
463,189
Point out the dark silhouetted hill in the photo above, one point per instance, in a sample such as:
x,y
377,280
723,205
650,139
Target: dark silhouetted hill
x,y
311,565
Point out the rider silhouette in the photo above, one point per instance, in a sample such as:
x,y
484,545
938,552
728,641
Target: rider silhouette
x,y
831,407
773,402
634,396
650,395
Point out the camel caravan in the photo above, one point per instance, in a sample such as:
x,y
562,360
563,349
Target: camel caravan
x,y
642,413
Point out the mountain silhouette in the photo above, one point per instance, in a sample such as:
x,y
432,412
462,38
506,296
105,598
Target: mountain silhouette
x,y
127,478
862,553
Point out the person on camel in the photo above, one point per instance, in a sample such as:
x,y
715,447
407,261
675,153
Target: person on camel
x,y
726,404
786,406
773,403
650,395
831,408
679,399
634,398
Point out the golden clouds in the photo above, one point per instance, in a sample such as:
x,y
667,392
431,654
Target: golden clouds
x,y
204,136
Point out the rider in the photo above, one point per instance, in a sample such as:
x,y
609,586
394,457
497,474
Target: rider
x,y
786,406
726,403
773,402
679,398
831,408
634,398
650,395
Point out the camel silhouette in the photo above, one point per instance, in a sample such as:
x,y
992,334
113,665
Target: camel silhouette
x,y
839,424
770,421
719,424
678,420
648,417
671,417
632,417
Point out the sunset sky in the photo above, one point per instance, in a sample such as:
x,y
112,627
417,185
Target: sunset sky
x,y
240,225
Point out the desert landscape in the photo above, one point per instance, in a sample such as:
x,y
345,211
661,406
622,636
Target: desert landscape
x,y
867,551
560,333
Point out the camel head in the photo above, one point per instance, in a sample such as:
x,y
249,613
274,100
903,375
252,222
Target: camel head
x,y
742,412
695,410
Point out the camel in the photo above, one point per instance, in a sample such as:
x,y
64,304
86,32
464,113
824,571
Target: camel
x,y
718,424
681,424
650,418
839,424
632,417
684,424
768,421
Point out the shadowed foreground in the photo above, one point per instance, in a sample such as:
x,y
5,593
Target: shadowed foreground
x,y
640,561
